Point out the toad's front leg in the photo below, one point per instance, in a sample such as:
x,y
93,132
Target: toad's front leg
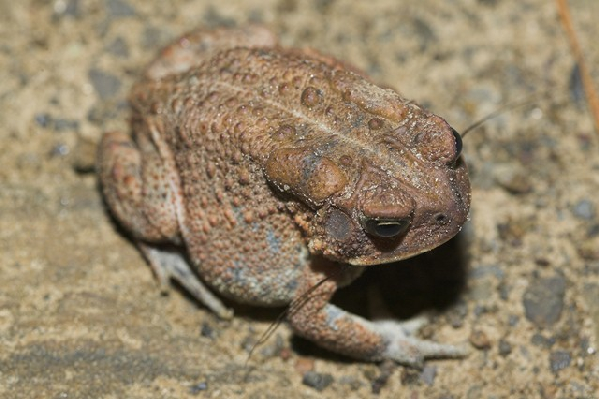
x,y
313,317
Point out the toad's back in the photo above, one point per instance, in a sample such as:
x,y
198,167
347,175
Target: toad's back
x,y
244,116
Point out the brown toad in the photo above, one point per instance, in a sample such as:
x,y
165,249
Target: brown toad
x,y
268,170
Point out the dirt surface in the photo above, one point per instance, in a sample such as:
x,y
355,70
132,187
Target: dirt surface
x,y
81,315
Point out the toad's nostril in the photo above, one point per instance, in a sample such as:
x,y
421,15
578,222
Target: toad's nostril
x,y
441,218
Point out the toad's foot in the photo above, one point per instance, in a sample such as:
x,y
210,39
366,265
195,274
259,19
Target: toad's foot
x,y
171,264
405,349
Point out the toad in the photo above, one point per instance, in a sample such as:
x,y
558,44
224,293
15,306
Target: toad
x,y
274,176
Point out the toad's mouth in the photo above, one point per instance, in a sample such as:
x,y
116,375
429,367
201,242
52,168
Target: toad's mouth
x,y
384,256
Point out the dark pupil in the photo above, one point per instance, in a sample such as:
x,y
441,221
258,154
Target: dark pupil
x,y
458,143
386,229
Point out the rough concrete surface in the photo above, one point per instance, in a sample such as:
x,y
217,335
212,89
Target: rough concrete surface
x,y
82,317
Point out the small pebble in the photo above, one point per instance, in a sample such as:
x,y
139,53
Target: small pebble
x,y
318,381
428,375
105,84
85,153
424,32
118,48
98,114
514,179
479,339
119,8
512,232
544,300
540,340
304,364
559,360
504,348
543,262
285,354
475,392
584,209
588,249
64,125
488,270
482,290
208,331
67,7
57,124
593,231
197,388
457,314
410,377
504,289
153,35
576,87
43,120
59,150
353,382
273,348
248,343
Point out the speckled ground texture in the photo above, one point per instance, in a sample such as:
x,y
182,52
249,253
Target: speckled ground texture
x,y
81,315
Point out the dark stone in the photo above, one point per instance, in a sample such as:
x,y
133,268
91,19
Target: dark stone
x,y
488,270
68,8
353,382
539,340
153,35
43,120
106,84
593,231
576,87
559,360
513,320
324,6
318,381
504,290
428,375
504,348
118,48
458,313
65,125
60,150
197,388
119,8
57,124
213,18
584,209
424,32
544,301
208,331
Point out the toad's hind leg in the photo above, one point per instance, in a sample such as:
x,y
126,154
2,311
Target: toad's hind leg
x,y
193,47
142,193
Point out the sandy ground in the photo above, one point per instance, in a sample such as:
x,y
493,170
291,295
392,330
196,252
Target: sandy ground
x,y
81,315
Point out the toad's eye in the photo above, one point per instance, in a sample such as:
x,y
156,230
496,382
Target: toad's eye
x,y
458,144
386,228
